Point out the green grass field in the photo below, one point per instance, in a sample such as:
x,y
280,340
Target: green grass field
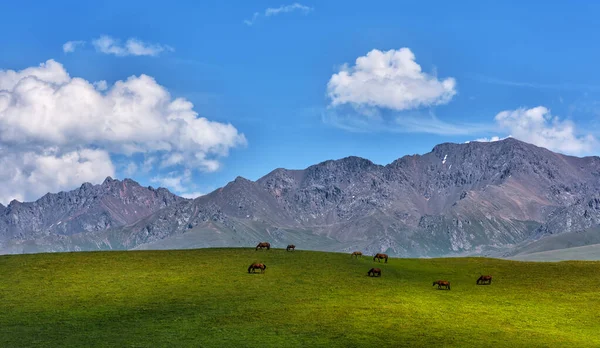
x,y
206,298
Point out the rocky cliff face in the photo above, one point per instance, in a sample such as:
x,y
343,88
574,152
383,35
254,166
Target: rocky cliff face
x,y
89,208
475,198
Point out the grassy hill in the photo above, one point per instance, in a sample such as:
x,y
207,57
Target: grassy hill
x,y
206,298
588,252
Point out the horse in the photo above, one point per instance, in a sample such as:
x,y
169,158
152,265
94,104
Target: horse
x,y
442,283
253,267
484,279
357,254
291,247
263,245
373,271
380,256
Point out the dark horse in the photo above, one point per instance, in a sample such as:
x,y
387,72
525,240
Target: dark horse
x,y
380,256
374,271
484,279
356,253
442,284
253,267
263,245
291,247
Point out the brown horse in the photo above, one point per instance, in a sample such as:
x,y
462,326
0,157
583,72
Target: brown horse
x,y
291,247
484,279
357,254
442,284
374,271
380,256
263,245
253,267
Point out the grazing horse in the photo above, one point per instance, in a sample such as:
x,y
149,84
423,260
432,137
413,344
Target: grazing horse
x,y
253,267
484,279
380,256
442,284
291,247
263,245
373,271
356,253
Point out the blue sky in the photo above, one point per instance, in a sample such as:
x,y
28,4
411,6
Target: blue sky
x,y
269,80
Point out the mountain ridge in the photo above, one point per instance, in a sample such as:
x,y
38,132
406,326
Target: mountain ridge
x,y
473,198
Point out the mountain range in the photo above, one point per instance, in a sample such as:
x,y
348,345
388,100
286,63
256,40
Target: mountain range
x,y
504,198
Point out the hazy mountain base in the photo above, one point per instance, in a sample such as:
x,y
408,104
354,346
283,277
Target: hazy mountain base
x,y
583,253
579,245
403,242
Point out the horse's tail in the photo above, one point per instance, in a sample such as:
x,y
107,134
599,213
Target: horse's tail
x,y
448,285
249,268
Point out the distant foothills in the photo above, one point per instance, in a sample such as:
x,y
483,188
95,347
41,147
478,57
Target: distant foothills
x,y
504,199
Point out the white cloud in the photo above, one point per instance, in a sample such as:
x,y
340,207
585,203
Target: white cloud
x,y
131,169
282,9
148,164
29,174
174,180
101,85
43,108
289,8
390,79
492,139
192,195
374,120
132,47
537,126
180,183
389,92
71,46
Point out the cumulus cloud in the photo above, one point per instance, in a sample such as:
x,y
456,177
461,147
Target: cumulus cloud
x,y
181,183
174,180
282,9
29,174
44,112
390,79
131,169
132,47
192,195
101,85
539,127
492,139
71,46
387,91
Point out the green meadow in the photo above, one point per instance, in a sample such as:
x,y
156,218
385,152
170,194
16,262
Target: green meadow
x,y
206,298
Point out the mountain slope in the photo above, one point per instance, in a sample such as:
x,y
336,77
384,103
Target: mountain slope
x,y
474,198
89,208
